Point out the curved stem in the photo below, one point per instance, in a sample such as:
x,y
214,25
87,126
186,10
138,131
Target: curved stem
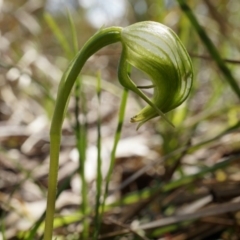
x,y
101,39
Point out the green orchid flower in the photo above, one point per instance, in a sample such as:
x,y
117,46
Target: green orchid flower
x,y
150,47
157,51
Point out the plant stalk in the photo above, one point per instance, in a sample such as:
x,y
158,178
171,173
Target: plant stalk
x,y
101,39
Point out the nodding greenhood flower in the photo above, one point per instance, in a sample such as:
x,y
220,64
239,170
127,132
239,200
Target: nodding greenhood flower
x,y
152,48
157,51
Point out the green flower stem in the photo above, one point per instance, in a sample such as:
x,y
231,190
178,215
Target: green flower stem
x,y
101,39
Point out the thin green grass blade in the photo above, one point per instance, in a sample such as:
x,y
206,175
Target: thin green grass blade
x,y
210,47
35,228
116,140
97,221
146,193
191,178
3,230
73,32
81,141
59,35
170,228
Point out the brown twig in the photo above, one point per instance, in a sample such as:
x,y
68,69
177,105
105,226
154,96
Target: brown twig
x,y
206,212
210,59
127,228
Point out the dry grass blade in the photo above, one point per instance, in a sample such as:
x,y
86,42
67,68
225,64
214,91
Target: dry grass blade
x,y
209,211
232,61
127,228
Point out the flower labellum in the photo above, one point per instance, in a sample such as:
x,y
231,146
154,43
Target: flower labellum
x,y
157,51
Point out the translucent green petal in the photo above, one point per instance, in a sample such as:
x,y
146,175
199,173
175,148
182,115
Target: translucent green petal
x,y
157,51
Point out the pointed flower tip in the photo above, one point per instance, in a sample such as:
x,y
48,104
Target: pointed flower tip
x,y
157,51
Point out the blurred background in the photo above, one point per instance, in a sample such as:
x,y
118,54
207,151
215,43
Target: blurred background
x,y
182,171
